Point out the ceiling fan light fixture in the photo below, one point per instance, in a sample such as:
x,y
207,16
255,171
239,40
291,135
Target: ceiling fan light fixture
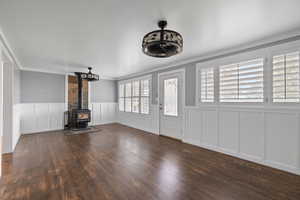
x,y
89,76
162,43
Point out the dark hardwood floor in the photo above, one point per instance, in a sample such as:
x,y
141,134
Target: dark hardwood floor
x,y
124,163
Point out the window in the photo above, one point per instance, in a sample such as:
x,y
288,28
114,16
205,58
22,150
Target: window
x,y
171,97
135,96
286,78
128,97
207,85
242,82
121,97
145,96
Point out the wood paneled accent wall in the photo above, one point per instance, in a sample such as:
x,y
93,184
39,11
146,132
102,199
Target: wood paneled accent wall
x,y
73,93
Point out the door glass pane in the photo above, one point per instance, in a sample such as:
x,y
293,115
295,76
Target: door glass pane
x,y
171,97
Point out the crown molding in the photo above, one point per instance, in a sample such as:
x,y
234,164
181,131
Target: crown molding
x,y
251,46
8,50
44,71
61,73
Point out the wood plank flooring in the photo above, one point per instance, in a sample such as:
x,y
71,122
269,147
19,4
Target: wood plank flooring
x,y
124,163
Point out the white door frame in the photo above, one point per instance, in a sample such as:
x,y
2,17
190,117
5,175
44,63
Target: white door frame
x,y
182,70
1,109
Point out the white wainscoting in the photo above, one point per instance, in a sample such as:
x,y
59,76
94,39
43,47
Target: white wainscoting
x,y
103,113
40,117
13,136
266,135
16,124
143,122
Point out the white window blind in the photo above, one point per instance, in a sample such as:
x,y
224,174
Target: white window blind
x,y
286,78
121,97
145,96
128,97
134,96
207,85
242,82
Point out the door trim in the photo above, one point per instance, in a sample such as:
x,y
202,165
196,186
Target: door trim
x,y
183,96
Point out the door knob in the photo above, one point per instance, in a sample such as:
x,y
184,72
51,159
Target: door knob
x,y
160,107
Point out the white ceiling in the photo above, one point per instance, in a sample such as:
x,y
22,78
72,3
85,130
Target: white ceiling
x,y
68,35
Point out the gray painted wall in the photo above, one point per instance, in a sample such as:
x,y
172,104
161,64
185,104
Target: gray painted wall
x,y
37,87
190,69
104,91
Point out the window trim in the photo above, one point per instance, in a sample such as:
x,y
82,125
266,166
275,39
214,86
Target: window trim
x,y
141,78
267,54
277,52
238,84
200,86
236,58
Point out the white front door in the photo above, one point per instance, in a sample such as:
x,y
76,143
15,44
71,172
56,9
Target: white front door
x,y
171,104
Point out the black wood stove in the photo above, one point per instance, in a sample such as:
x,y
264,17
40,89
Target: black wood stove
x,y
79,118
